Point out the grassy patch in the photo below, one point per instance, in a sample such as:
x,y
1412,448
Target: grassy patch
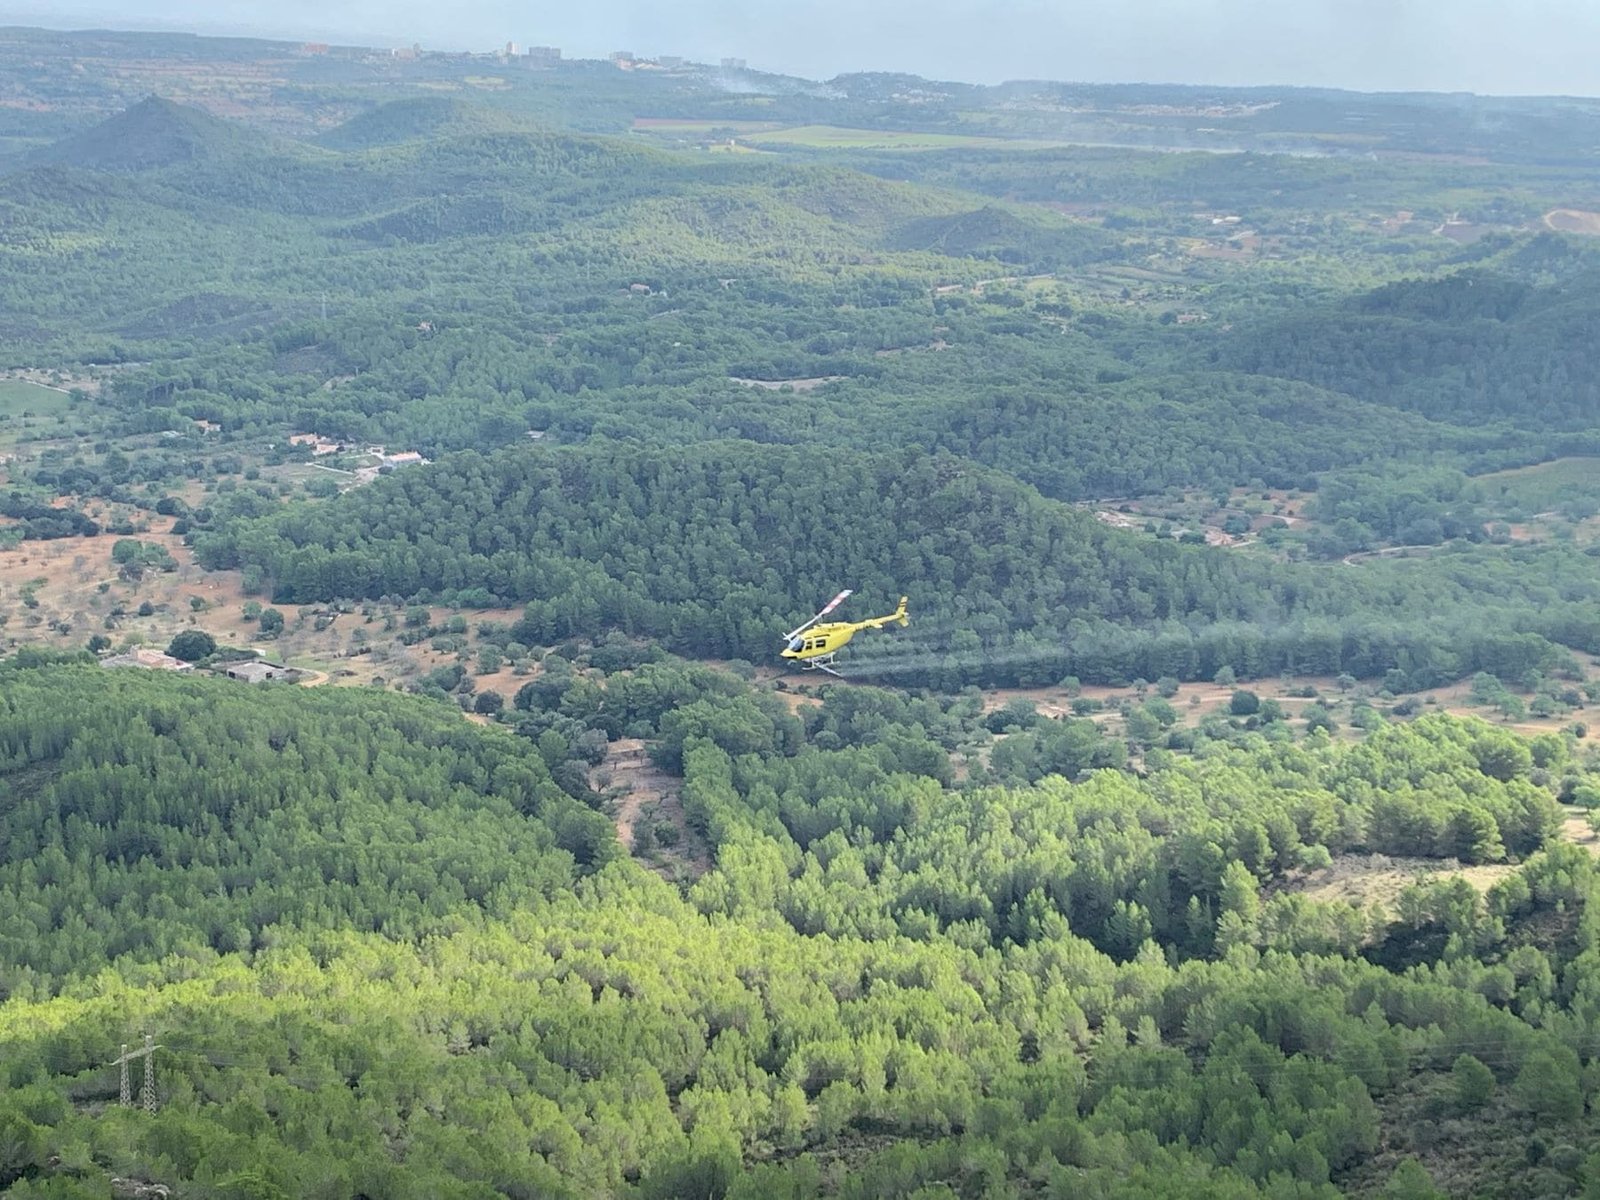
x,y
836,137
1366,880
18,396
1569,486
1573,220
693,127
1558,472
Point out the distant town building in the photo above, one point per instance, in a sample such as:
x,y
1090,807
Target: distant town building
x,y
407,53
512,50
623,59
671,62
733,64
313,47
543,56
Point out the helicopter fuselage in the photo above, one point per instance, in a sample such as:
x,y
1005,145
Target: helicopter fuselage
x,y
816,645
820,640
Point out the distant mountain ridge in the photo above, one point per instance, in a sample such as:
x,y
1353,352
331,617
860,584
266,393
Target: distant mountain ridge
x,y
421,118
427,169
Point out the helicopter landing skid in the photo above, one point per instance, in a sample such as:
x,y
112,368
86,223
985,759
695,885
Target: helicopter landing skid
x,y
818,665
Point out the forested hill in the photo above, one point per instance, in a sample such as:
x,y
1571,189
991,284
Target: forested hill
x,y
199,210
144,821
154,134
719,547
370,973
425,117
1473,345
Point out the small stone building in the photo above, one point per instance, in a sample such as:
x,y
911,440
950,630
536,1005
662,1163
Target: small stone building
x,y
259,671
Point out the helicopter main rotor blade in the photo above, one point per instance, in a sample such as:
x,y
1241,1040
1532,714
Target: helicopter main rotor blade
x,y
826,609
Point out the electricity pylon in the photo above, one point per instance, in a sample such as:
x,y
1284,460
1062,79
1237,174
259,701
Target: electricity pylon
x,y
147,1092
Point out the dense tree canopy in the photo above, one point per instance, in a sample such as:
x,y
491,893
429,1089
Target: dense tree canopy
x,y
719,548
1069,987
144,821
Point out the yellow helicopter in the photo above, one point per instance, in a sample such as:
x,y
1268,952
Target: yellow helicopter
x,y
813,646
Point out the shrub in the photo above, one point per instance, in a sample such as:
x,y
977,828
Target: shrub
x,y
192,645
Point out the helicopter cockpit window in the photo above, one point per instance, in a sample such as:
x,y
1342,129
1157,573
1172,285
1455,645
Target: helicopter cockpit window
x,y
797,644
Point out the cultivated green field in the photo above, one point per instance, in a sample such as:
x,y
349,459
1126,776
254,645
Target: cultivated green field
x,y
835,137
1577,469
670,125
1544,485
17,396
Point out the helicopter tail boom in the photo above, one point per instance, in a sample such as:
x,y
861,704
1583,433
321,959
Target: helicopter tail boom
x,y
898,616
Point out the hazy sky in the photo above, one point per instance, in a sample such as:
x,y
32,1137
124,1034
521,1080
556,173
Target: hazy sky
x,y
1497,46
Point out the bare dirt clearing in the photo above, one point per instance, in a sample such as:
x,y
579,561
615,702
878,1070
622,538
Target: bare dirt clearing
x,y
1380,878
795,701
77,591
647,798
1239,248
1576,830
56,381
1192,700
76,587
1573,220
1456,699
1361,556
637,781
774,385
